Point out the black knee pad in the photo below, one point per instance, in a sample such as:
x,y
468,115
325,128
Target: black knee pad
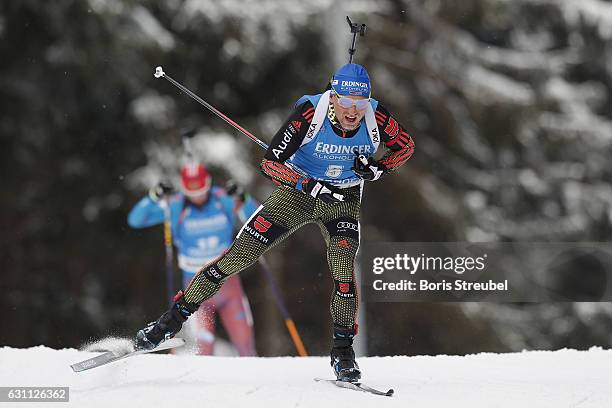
x,y
346,227
213,273
263,228
345,290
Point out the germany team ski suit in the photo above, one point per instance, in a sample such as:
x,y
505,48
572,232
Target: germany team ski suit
x,y
311,146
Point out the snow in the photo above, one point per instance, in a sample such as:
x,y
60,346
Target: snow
x,y
216,149
154,109
596,13
114,7
564,378
223,150
152,28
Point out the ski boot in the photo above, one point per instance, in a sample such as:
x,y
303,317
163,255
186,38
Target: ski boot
x,y
166,326
342,355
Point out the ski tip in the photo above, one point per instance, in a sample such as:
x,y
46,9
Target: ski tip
x,y
77,368
165,345
390,393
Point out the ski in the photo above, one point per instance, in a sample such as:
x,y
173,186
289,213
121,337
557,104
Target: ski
x,y
357,386
111,356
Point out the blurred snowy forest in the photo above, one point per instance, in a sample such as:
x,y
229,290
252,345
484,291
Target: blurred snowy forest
x,y
508,102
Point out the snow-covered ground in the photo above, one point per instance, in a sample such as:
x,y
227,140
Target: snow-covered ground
x,y
565,378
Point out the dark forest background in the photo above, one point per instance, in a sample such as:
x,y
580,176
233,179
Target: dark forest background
x,y
508,102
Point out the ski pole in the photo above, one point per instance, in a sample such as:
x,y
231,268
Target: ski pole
x,y
169,250
278,298
159,72
355,28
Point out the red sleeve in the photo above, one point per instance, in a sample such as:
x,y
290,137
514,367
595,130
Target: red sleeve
x,y
284,144
398,142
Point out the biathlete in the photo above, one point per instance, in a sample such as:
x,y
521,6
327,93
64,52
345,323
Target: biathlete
x,y
319,159
202,218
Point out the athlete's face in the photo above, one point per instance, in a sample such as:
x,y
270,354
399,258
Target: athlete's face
x,y
349,118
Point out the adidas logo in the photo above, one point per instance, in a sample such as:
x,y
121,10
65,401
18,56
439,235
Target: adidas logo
x,y
296,125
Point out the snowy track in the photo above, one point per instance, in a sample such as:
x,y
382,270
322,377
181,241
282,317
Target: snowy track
x,y
565,378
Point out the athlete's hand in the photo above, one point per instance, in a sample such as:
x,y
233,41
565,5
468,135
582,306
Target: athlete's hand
x,y
367,169
320,189
234,190
161,189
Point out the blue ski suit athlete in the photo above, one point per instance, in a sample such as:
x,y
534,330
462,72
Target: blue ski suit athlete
x,y
202,234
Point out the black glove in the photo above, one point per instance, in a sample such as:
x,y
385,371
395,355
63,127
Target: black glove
x,y
166,326
161,189
367,169
320,189
235,190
